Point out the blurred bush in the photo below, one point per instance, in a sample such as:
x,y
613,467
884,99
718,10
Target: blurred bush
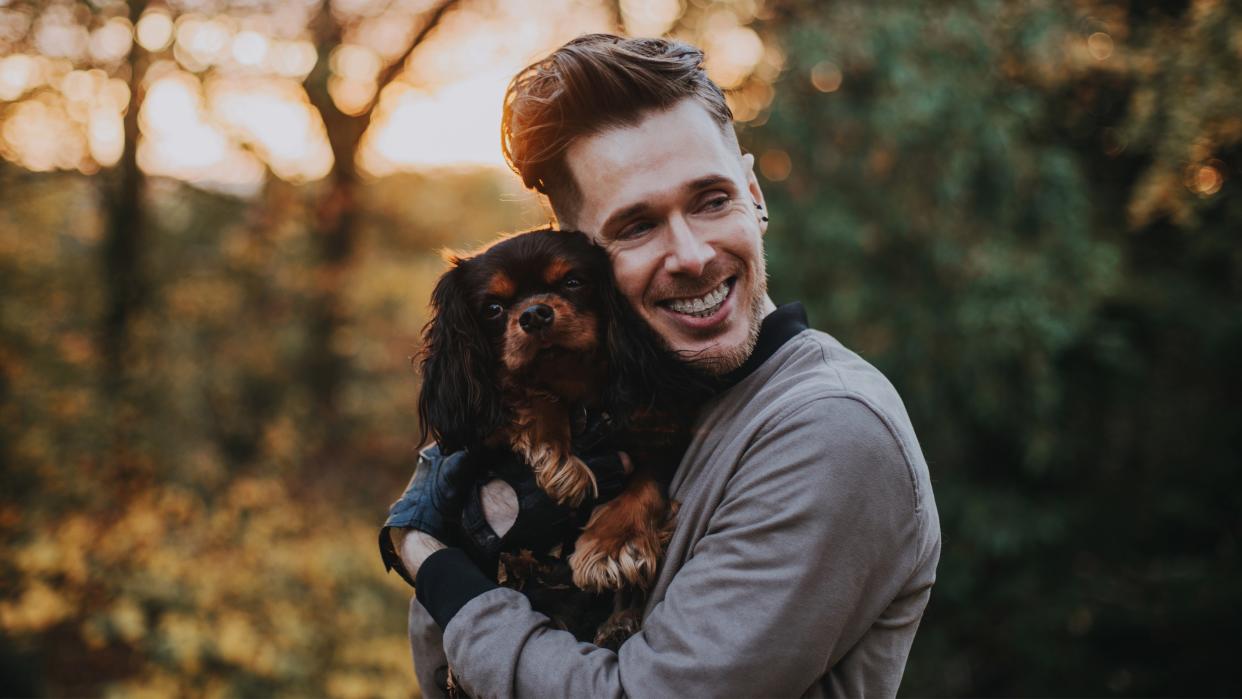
x,y
177,533
1027,215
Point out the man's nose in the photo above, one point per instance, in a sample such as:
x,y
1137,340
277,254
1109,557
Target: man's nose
x,y
689,254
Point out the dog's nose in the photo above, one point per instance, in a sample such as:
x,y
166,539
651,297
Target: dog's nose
x,y
536,317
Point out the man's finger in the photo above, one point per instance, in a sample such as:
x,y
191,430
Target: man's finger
x,y
500,505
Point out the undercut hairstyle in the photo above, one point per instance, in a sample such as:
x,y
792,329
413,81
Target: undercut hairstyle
x,y
591,84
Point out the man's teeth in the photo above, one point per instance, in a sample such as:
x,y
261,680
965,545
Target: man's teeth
x,y
704,305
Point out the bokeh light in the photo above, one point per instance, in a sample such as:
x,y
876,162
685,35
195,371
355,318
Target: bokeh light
x,y
826,76
250,48
775,165
1205,179
649,17
180,142
1100,45
732,51
292,59
39,135
110,43
155,30
355,62
106,135
58,34
274,117
200,41
353,85
412,130
18,73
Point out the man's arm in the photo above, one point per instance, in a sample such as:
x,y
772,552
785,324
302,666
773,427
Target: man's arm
x,y
426,639
817,532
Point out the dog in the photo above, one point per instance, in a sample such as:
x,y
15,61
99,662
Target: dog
x,y
527,333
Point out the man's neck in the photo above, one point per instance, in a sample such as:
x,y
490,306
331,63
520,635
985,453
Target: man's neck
x,y
779,325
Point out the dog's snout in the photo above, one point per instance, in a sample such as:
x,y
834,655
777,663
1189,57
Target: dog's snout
x,y
536,317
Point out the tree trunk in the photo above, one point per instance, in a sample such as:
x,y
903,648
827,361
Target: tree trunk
x,y
334,228
121,194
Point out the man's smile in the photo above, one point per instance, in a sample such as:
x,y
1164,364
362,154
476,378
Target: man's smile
x,y
702,306
704,315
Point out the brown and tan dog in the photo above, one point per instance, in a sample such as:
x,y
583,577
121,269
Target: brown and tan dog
x,y
530,331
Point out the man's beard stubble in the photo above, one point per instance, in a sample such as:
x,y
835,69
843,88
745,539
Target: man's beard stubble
x,y
719,362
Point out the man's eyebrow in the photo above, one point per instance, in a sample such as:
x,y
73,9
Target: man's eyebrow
x,y
621,215
705,182
634,209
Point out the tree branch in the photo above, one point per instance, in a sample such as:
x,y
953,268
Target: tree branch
x,y
390,73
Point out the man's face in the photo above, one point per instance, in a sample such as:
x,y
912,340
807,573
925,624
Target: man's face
x,y
675,206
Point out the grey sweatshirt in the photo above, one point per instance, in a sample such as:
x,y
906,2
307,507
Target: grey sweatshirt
x,y
803,557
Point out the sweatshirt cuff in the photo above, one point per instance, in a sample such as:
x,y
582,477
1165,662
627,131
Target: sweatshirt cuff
x,y
446,582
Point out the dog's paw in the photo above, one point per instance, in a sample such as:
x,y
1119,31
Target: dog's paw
x,y
625,558
568,481
618,627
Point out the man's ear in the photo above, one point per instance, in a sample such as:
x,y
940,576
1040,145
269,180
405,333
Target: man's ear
x,y
752,188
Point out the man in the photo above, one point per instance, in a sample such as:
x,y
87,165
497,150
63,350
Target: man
x,y
807,540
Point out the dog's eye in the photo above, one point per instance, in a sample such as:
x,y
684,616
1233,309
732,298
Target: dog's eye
x,y
571,282
492,311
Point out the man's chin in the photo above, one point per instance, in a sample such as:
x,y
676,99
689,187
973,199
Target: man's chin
x,y
716,350
719,357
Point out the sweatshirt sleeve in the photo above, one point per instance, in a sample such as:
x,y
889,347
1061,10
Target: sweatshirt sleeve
x,y
427,650
817,532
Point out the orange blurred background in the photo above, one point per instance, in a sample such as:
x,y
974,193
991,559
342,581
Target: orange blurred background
x,y
219,223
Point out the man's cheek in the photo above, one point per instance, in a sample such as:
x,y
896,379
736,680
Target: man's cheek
x,y
631,286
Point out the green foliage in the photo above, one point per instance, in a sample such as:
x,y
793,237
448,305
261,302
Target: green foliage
x,y
1008,216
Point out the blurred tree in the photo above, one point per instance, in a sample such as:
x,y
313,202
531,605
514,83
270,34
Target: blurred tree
x,y
1025,214
336,215
121,195
63,33
115,44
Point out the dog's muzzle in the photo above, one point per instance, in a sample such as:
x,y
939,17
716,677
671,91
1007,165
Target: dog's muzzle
x,y
536,318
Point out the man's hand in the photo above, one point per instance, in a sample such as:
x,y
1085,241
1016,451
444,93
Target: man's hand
x,y
447,504
513,512
500,505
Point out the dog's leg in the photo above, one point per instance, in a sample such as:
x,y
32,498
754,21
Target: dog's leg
x,y
542,437
622,542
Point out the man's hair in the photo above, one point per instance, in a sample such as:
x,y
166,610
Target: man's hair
x,y
591,84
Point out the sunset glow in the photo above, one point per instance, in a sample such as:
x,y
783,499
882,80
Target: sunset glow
x,y
458,125
274,117
225,108
180,142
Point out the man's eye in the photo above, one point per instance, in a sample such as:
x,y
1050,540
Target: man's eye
x,y
635,230
492,311
572,282
715,203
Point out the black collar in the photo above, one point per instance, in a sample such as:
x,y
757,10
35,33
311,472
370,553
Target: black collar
x,y
779,325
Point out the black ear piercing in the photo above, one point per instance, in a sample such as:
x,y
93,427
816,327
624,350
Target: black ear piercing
x,y
760,207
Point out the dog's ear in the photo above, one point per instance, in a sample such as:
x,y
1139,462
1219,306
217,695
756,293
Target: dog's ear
x,y
459,404
643,372
637,360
